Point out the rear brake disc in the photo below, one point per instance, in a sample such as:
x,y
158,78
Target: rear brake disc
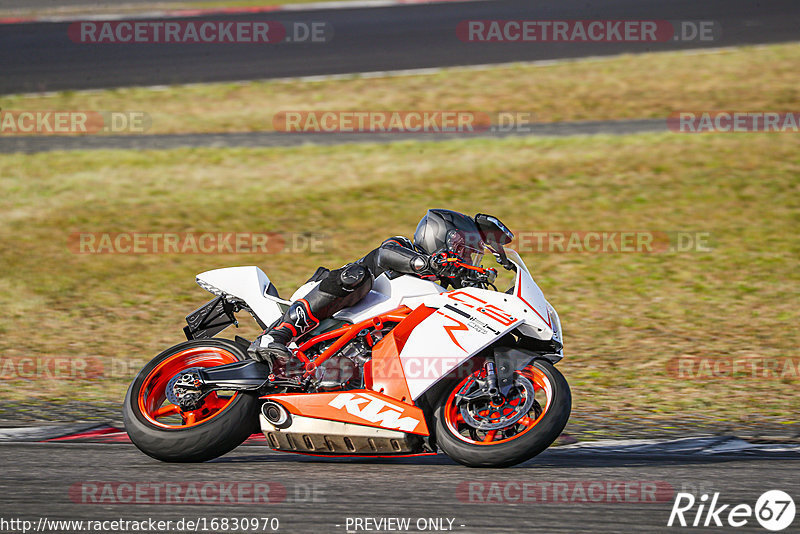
x,y
182,387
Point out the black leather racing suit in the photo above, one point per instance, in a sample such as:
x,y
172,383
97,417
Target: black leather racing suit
x,y
398,255
347,285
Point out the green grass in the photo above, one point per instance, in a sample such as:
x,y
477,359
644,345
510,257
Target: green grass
x,y
625,316
627,87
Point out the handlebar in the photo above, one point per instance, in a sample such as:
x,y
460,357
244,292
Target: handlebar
x,y
479,274
484,276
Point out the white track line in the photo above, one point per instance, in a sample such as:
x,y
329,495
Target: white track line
x,y
704,445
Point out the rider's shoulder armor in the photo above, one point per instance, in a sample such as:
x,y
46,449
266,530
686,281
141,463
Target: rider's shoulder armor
x,y
399,240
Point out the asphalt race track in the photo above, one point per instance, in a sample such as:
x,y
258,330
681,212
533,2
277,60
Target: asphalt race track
x,y
40,56
32,144
426,487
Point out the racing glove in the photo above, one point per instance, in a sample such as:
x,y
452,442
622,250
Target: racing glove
x,y
444,265
404,260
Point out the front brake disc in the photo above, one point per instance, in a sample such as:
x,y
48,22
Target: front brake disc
x,y
496,418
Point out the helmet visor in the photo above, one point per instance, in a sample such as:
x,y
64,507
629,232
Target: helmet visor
x,y
468,246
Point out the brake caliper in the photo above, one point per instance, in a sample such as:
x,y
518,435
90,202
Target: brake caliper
x,y
185,390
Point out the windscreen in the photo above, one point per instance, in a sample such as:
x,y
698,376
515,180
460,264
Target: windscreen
x,y
468,246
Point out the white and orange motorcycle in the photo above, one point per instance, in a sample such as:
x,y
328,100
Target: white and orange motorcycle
x,y
409,369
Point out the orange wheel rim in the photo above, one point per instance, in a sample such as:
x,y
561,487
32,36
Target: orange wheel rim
x,y
458,426
153,403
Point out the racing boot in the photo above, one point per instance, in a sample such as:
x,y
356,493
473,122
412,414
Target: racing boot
x,y
337,289
270,347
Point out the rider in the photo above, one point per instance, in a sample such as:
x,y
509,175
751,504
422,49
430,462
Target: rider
x,y
441,234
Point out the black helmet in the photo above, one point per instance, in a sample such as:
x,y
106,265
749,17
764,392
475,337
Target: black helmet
x,y
445,230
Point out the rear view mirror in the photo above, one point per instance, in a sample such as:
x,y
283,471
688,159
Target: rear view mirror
x,y
494,232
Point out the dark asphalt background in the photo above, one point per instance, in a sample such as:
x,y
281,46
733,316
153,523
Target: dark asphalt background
x,y
40,57
35,481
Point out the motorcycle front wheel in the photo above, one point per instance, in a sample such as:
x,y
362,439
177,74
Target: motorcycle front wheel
x,y
507,430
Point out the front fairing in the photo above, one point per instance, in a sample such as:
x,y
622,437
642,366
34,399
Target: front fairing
x,y
468,320
528,291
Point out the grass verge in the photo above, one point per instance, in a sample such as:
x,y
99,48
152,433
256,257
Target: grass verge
x,y
626,316
628,87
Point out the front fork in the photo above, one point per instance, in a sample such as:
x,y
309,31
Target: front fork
x,y
491,380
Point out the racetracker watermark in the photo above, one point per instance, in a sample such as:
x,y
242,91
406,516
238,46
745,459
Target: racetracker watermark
x,y
706,368
565,491
734,121
403,122
341,370
192,524
195,243
196,492
611,242
68,122
587,31
199,32
68,367
51,367
423,368
371,121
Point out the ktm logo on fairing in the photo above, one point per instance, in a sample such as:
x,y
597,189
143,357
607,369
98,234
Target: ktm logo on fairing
x,y
369,408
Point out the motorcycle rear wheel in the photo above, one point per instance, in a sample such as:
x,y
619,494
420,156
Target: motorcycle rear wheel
x,y
165,432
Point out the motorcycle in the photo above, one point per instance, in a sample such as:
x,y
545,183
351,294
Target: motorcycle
x,y
410,369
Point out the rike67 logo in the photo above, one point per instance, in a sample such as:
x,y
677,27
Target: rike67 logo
x,y
774,510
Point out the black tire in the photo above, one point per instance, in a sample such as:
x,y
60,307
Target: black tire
x,y
520,449
203,441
